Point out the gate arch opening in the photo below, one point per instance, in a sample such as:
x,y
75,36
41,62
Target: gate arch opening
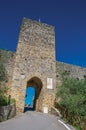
x,y
33,92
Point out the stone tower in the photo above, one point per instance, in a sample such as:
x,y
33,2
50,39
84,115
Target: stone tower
x,y
34,65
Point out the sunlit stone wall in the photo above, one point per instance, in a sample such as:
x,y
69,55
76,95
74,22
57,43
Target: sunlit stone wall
x,y
35,57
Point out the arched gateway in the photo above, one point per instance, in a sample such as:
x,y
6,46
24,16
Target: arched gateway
x,y
34,65
34,84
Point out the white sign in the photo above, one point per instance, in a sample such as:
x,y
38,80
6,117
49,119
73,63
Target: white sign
x,y
22,76
45,110
49,83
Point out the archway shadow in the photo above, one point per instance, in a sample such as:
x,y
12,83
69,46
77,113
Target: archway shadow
x,y
28,109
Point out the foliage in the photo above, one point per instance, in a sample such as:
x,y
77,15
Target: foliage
x,y
3,87
77,128
4,100
73,99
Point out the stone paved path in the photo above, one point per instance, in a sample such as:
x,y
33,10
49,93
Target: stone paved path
x,y
34,121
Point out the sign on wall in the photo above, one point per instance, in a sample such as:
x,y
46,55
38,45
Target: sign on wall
x,y
22,76
49,83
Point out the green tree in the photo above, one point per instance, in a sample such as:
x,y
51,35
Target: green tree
x,y
73,99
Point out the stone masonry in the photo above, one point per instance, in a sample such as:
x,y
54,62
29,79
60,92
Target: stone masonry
x,y
35,65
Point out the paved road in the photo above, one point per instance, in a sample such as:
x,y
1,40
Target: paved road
x,y
34,121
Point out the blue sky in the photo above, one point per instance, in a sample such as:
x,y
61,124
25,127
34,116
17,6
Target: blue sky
x,y
68,17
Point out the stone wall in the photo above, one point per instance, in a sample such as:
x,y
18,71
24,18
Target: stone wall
x,y
34,63
7,58
74,71
35,58
7,112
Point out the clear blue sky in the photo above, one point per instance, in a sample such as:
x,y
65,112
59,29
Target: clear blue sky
x,y
68,17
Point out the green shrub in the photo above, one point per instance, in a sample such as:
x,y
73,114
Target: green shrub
x,y
4,101
77,128
3,86
72,93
